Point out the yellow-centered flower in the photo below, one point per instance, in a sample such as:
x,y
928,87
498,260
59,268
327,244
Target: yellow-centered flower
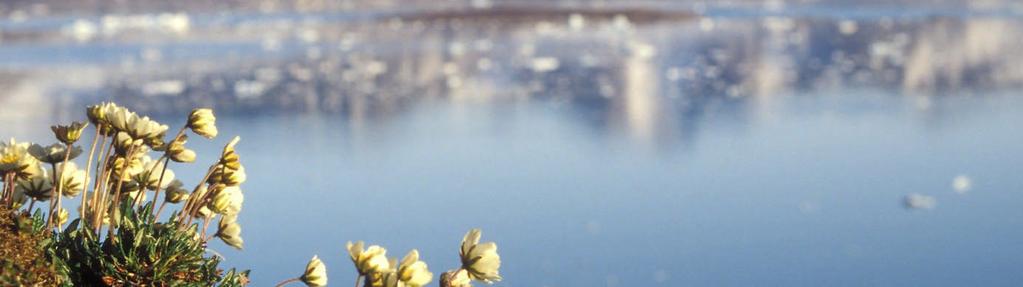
x,y
69,134
14,157
99,115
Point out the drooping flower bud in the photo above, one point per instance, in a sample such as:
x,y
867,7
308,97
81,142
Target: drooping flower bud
x,y
230,232
203,122
175,193
227,200
412,272
370,260
229,158
315,273
227,176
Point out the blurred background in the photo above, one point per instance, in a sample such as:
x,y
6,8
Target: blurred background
x,y
600,143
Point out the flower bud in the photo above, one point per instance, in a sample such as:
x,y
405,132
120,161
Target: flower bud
x,y
455,278
227,200
370,260
227,176
177,152
413,272
315,273
230,232
175,193
202,122
229,158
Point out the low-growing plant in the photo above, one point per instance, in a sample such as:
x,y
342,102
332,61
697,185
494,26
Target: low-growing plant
x,y
119,237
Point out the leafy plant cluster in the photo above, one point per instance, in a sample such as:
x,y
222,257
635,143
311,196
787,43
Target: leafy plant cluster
x,y
119,237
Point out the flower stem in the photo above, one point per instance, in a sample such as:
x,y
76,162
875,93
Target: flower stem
x,y
54,193
7,185
59,185
101,177
166,159
117,190
159,182
88,168
191,203
158,211
286,282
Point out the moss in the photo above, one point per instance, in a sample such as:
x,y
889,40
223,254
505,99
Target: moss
x,y
23,257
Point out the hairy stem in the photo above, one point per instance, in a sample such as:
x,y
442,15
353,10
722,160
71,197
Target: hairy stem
x,y
286,282
187,210
158,211
117,190
101,177
54,193
59,185
88,168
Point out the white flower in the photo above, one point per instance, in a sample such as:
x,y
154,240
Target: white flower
x,y
315,273
370,260
227,200
230,232
203,122
72,179
413,272
480,260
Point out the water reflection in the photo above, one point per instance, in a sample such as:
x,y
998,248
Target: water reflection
x,y
783,144
648,75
